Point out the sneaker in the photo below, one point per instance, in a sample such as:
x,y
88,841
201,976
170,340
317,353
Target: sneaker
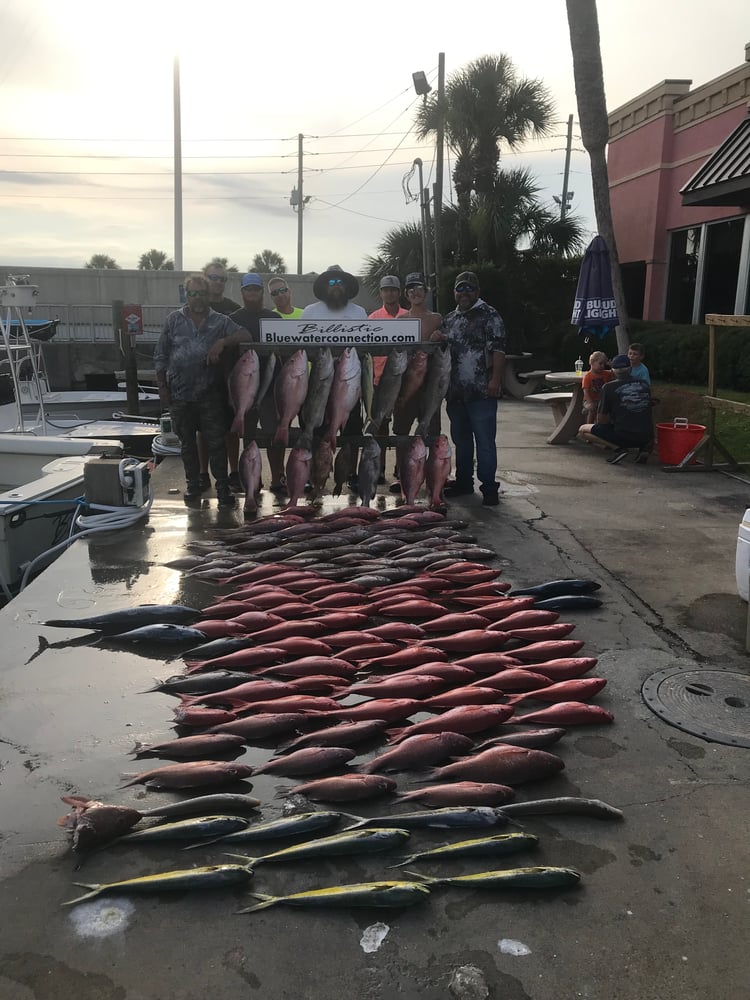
x,y
234,482
204,482
618,456
193,493
227,500
490,500
456,490
395,487
642,456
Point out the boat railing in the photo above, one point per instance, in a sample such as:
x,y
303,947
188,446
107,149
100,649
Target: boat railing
x,y
89,324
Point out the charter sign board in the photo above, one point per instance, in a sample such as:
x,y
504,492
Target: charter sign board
x,y
340,333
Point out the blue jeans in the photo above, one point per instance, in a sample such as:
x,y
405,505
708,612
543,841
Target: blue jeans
x,y
475,421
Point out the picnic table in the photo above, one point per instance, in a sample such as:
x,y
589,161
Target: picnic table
x,y
566,406
520,384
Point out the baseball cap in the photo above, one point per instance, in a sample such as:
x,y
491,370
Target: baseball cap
x,y
466,276
415,278
620,361
251,279
390,281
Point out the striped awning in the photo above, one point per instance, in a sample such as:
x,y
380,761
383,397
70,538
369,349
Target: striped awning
x,y
724,179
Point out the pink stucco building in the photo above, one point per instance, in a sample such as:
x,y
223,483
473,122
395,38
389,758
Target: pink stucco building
x,y
679,177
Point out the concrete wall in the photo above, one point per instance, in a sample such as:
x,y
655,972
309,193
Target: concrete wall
x,y
82,301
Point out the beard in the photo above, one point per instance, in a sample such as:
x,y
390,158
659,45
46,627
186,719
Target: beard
x,y
336,297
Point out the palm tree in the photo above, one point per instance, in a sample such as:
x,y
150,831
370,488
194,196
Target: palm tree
x,y
155,260
486,104
268,262
102,262
221,262
583,25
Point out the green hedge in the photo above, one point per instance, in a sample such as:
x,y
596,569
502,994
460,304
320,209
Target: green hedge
x,y
679,353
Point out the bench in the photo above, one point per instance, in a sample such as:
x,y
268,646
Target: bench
x,y
559,401
520,384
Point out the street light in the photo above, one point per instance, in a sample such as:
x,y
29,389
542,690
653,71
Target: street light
x,y
421,85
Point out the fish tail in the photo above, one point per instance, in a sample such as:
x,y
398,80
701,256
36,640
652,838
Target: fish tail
x,y
238,423
266,901
156,687
281,436
405,861
96,890
427,879
248,862
394,735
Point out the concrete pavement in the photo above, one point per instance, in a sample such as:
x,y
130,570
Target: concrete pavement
x,y
662,912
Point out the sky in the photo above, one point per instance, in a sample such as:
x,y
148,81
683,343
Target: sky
x,y
86,115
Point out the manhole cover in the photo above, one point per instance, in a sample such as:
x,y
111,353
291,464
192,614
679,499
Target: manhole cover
x,y
711,704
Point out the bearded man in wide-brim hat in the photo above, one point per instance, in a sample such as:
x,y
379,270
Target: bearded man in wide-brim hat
x,y
334,289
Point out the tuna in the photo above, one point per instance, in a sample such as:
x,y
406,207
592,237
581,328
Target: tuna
x,y
127,619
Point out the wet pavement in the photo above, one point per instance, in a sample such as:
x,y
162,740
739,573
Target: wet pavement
x,y
662,911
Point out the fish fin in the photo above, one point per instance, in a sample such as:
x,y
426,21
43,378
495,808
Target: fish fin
x,y
133,780
266,901
96,890
406,861
395,734
242,857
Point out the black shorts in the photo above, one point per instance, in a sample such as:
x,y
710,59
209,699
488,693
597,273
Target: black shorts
x,y
608,433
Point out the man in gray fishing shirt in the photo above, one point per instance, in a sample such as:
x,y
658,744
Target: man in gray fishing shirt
x,y
189,379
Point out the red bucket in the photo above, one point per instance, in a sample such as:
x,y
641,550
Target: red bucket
x,y
675,440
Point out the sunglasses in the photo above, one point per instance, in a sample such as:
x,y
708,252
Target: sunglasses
x,y
217,277
196,295
463,287
278,291
335,281
415,288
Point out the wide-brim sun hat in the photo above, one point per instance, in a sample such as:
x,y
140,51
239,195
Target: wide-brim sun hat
x,y
335,271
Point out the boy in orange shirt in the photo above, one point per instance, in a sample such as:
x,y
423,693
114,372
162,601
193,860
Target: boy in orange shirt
x,y
594,381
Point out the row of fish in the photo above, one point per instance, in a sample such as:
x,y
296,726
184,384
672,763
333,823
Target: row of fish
x,y
323,393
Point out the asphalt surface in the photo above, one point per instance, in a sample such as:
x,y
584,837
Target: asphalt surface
x,y
662,910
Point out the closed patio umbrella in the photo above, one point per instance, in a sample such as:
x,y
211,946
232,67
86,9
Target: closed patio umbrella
x,y
594,311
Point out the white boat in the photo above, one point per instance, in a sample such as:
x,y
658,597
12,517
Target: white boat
x,y
68,407
41,482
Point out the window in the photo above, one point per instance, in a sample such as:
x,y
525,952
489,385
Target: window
x,y
683,270
722,268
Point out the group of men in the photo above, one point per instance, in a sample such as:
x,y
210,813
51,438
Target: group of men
x,y
200,343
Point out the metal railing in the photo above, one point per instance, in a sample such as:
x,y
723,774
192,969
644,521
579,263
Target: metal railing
x,y
89,324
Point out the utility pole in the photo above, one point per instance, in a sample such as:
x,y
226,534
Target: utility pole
x,y
437,196
298,202
177,166
566,173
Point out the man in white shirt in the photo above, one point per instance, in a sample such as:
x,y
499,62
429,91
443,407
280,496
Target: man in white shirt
x,y
334,289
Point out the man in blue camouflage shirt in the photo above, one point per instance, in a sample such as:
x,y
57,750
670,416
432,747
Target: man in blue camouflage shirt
x,y
189,379
476,336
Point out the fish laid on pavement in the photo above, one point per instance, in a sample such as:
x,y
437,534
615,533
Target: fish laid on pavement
x,y
194,774
346,788
350,842
344,734
556,588
420,751
290,389
200,827
309,760
506,765
93,823
540,877
191,746
250,473
165,635
226,803
498,846
211,877
461,793
449,818
564,805
567,713
127,619
319,386
367,894
279,829
242,383
387,389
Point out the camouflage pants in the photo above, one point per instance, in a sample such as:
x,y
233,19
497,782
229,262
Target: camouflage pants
x,y
209,416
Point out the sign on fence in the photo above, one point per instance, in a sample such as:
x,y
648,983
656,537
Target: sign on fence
x,y
340,333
